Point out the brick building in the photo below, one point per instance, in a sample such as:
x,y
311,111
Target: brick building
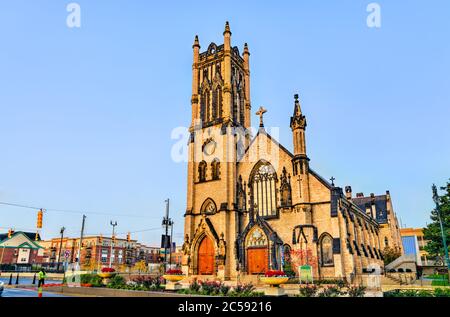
x,y
96,252
20,249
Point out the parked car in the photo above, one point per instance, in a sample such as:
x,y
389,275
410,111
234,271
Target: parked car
x,y
2,285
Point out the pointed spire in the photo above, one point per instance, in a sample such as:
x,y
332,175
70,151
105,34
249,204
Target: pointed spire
x,y
297,108
246,51
196,42
227,28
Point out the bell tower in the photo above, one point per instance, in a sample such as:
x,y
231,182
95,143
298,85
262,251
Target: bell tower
x,y
220,85
219,128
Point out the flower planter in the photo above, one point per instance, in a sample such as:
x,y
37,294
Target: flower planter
x,y
106,274
173,278
172,281
274,281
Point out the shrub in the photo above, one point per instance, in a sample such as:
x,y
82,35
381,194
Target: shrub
x,y
210,288
308,291
439,292
439,283
117,282
330,291
194,286
243,290
356,291
224,289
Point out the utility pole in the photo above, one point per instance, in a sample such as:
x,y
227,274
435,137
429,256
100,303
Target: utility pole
x,y
60,247
166,223
444,236
113,224
81,240
171,235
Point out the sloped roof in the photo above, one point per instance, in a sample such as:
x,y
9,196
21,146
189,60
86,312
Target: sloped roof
x,y
380,202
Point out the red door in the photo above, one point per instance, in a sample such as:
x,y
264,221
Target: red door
x,y
206,257
257,261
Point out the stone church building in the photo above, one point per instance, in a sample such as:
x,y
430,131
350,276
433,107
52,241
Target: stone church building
x,y
252,204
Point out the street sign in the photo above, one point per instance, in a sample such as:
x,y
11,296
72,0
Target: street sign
x,y
66,254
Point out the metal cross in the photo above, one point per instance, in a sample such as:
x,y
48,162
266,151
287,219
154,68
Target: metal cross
x,y
261,111
332,179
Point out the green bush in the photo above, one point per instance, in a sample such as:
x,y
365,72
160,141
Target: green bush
x,y
440,283
438,292
117,281
308,291
356,291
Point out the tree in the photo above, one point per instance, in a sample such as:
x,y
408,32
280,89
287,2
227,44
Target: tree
x,y
432,233
390,254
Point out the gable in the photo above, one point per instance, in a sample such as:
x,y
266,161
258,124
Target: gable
x,y
264,147
18,240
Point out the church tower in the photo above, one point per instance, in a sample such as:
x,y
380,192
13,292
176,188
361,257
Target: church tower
x,y
220,85
300,161
220,123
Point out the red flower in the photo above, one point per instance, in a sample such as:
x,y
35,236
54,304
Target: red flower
x,y
108,270
275,273
174,272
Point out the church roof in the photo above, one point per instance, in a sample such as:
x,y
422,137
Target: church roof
x,y
380,202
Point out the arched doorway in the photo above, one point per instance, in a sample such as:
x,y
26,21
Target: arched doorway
x,y
206,257
257,252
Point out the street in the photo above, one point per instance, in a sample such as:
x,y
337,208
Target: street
x,y
21,292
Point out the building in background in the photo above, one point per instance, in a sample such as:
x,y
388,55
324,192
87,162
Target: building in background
x,y
414,243
96,252
380,208
20,250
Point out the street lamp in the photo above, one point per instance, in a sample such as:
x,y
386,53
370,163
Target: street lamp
x,y
444,236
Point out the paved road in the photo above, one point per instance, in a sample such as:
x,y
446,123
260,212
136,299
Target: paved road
x,y
21,292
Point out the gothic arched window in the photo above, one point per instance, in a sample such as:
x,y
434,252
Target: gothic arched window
x,y
326,250
202,171
215,167
264,190
205,106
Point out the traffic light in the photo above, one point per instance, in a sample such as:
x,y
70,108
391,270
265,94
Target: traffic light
x,y
100,239
36,238
10,233
39,219
114,239
128,237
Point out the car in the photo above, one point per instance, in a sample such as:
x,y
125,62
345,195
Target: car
x,y
2,286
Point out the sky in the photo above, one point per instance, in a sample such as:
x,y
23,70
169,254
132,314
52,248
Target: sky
x,y
87,114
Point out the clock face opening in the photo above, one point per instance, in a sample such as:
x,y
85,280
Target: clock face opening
x,y
209,149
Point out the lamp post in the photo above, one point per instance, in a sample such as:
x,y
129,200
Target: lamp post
x,y
113,224
60,248
444,236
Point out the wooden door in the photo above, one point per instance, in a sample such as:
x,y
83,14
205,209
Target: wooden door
x,y
257,260
206,257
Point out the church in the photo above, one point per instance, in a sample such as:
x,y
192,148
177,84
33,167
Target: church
x,y
252,204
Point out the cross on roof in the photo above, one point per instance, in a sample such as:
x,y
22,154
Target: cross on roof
x,y
261,111
332,179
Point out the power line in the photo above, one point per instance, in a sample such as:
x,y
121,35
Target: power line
x,y
72,211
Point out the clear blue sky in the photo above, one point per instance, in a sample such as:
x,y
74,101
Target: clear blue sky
x,y
86,114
